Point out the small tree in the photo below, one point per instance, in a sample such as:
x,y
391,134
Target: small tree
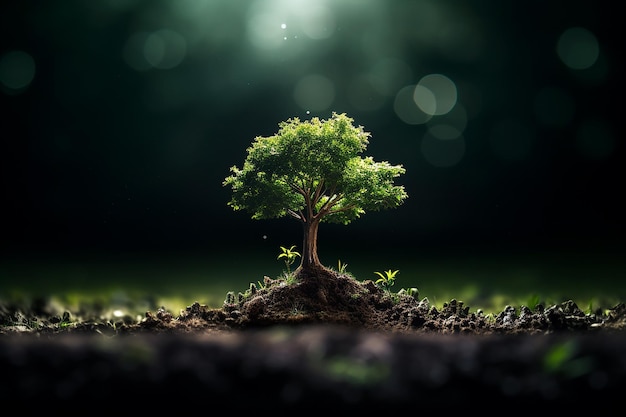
x,y
312,172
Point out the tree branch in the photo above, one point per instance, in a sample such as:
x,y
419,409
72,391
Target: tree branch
x,y
319,191
346,208
297,189
297,216
330,203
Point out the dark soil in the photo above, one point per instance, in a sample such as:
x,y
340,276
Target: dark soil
x,y
324,342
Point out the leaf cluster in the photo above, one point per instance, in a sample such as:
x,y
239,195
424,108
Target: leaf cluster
x,y
289,256
386,280
313,170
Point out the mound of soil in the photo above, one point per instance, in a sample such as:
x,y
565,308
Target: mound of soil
x,y
323,342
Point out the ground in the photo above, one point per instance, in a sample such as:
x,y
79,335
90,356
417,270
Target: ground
x,y
323,342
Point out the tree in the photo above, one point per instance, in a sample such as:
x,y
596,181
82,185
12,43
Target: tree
x,y
312,171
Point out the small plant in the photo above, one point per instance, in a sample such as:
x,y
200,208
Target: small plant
x,y
412,292
297,309
533,301
387,279
289,256
341,267
289,278
230,299
62,322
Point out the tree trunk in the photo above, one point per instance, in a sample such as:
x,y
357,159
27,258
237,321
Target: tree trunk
x,y
310,261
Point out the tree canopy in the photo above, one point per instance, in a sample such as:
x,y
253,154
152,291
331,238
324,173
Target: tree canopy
x,y
313,171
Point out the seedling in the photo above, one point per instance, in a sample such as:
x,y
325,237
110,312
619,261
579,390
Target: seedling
x,y
387,279
412,292
289,256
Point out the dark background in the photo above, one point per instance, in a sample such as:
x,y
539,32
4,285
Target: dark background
x,y
107,151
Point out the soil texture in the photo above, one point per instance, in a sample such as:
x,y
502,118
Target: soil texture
x,y
325,341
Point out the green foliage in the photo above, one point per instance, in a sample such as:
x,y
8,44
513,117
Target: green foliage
x,y
387,279
411,292
533,301
289,256
313,168
313,172
65,320
341,267
355,372
562,358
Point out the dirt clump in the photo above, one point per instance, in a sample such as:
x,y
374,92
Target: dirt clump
x,y
339,299
324,298
322,342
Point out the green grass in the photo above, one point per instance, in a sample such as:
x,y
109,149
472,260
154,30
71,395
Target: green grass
x,y
486,282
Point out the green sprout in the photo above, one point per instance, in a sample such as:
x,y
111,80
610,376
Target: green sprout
x,y
387,279
412,292
289,255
